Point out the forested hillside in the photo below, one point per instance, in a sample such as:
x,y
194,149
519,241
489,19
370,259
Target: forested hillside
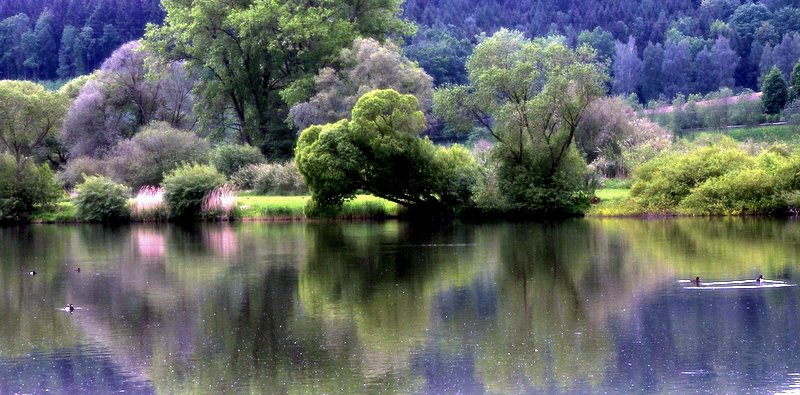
x,y
49,39
655,48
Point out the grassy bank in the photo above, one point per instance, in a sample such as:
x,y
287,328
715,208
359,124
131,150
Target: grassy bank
x,y
768,134
255,208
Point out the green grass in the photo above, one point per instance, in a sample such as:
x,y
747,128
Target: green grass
x,y
771,133
291,207
63,211
612,193
614,202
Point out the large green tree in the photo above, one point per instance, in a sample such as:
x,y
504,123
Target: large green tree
x,y
259,56
379,152
530,96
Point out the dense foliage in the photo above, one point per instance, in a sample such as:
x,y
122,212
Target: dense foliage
x,y
100,199
378,152
186,186
49,39
718,179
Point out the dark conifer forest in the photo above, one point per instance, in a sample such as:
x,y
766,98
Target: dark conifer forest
x,y
655,49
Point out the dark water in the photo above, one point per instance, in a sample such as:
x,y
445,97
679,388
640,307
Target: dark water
x,y
585,306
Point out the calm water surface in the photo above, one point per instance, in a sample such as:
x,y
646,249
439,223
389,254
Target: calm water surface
x,y
584,306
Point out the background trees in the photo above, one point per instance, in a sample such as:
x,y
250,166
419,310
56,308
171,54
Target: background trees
x,y
258,57
530,95
365,67
131,90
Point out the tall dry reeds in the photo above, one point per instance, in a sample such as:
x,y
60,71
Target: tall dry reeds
x,y
219,203
149,205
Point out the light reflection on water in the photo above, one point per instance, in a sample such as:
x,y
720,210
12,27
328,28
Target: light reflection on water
x,y
584,306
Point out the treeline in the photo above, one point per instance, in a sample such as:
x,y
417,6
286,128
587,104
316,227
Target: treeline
x,y
656,49
60,39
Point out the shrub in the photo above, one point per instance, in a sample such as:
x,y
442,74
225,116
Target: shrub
x,y
228,159
660,184
77,169
149,205
271,179
157,149
747,191
99,199
186,186
35,187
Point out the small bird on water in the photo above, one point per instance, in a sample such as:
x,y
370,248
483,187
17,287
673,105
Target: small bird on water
x,y
696,281
70,307
32,273
760,278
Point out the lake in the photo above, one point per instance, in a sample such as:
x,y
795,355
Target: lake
x,y
581,306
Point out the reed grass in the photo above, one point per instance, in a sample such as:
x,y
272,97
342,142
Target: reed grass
x,y
149,205
220,203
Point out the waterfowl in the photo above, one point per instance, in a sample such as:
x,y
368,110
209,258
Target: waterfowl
x,y
78,270
696,281
32,273
70,307
760,278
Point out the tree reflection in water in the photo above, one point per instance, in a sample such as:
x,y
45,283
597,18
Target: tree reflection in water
x,y
575,306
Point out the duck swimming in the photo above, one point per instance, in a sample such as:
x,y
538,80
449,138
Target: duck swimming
x,y
32,273
696,281
70,307
760,278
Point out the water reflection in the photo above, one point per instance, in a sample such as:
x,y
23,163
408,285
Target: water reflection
x,y
575,306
